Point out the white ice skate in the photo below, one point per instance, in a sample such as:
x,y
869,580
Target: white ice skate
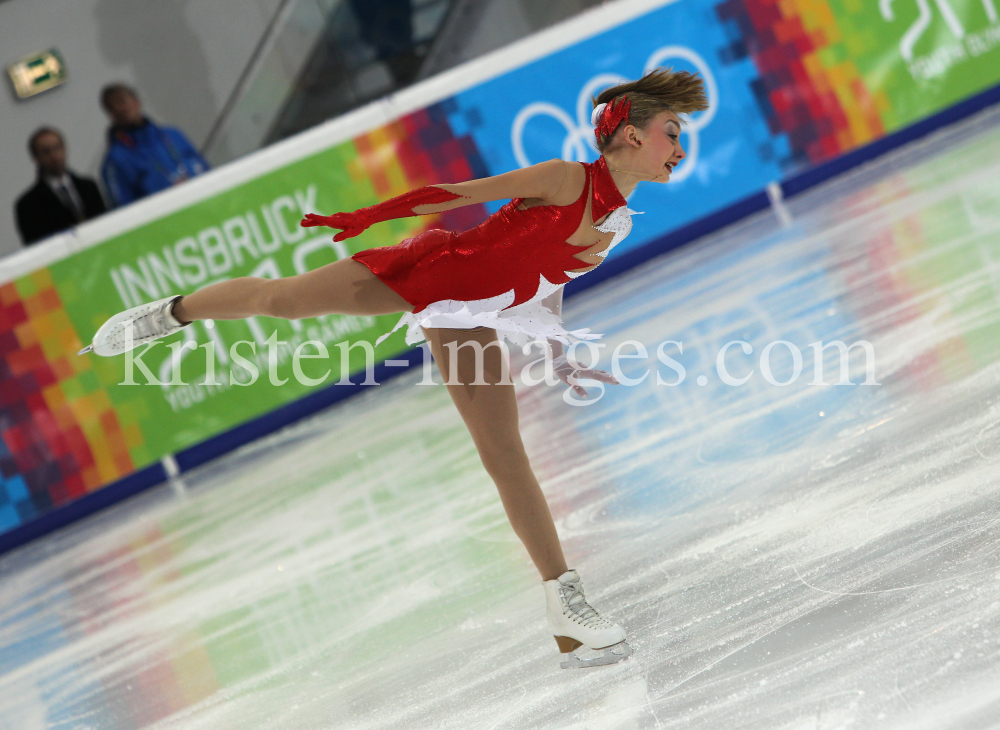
x,y
576,623
134,327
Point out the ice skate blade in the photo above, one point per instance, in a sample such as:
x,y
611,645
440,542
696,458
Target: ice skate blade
x,y
85,350
608,657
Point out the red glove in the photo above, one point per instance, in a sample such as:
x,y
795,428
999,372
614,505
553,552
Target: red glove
x,y
351,224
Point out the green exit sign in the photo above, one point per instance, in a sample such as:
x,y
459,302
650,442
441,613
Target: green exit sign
x,y
36,73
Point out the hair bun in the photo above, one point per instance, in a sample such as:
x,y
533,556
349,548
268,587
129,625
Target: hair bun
x,y
596,114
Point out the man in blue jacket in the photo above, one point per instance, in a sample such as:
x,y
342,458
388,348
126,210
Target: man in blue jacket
x,y
142,157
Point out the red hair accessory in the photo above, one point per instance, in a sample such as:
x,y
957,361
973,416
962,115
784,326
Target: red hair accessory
x,y
613,114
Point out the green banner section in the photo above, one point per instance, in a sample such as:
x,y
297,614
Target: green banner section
x,y
917,57
792,83
251,230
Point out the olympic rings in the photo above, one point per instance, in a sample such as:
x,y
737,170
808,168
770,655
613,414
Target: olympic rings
x,y
579,143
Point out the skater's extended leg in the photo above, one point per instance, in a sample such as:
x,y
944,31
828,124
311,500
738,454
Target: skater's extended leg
x,y
343,287
490,413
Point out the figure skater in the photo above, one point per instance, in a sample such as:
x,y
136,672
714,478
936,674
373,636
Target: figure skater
x,y
502,278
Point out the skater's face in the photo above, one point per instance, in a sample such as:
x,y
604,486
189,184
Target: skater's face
x,y
659,146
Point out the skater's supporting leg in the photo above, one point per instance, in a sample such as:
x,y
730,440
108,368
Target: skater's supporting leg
x,y
490,413
343,287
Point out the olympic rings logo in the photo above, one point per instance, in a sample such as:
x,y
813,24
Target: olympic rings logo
x,y
579,143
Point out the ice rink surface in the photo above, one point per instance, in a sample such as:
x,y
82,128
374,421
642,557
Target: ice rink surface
x,y
794,557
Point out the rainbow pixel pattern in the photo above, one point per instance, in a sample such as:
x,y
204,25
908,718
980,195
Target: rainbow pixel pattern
x,y
810,86
819,76
61,435
421,149
68,428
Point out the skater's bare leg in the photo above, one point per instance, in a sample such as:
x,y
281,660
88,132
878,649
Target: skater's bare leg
x,y
490,413
343,287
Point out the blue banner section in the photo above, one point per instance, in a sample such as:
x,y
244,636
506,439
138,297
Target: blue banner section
x,y
542,111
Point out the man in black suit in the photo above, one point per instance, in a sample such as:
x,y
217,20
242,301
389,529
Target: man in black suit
x,y
60,199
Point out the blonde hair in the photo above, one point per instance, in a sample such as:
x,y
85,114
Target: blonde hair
x,y
658,91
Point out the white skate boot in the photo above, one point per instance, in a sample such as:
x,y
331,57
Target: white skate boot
x,y
133,327
576,623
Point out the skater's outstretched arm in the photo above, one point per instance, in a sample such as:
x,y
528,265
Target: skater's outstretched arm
x,y
543,181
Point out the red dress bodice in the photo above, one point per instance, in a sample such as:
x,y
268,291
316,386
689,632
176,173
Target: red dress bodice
x,y
508,251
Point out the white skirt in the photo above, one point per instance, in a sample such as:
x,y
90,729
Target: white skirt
x,y
524,323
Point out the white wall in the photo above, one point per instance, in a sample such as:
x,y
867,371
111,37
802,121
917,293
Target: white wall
x,y
183,56
506,21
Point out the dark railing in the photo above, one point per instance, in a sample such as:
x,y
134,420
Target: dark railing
x,y
369,48
319,59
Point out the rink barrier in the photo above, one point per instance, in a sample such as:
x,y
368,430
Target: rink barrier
x,y
791,99
77,509
288,414
790,188
212,448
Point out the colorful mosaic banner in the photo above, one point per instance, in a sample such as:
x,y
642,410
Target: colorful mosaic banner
x,y
791,83
70,426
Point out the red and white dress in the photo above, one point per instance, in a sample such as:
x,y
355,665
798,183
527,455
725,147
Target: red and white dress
x,y
497,274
